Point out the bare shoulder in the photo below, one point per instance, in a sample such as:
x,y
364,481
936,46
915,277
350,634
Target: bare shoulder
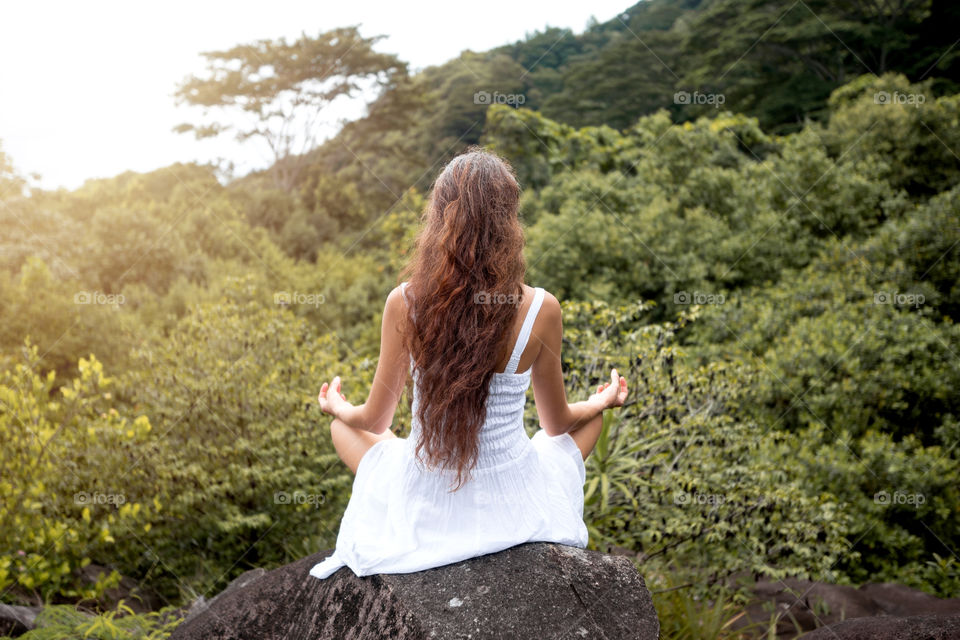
x,y
395,301
550,310
548,327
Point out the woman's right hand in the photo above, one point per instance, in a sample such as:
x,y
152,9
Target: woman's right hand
x,y
611,394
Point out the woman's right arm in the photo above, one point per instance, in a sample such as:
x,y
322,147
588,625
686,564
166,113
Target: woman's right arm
x,y
556,415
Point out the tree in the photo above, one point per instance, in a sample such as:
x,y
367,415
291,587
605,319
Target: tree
x,y
285,86
11,182
783,59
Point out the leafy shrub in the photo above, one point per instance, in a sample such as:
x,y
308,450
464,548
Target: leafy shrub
x,y
68,482
243,461
681,477
64,622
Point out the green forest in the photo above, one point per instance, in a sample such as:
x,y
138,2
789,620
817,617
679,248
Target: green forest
x,y
750,208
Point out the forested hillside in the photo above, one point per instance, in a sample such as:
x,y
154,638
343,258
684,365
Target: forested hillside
x,y
777,275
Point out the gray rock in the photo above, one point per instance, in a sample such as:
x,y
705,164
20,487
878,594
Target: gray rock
x,y
534,590
201,604
802,605
16,620
899,600
933,627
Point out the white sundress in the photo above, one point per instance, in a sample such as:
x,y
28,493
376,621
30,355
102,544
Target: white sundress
x,y
401,516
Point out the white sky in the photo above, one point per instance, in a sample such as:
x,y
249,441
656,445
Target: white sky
x,y
86,86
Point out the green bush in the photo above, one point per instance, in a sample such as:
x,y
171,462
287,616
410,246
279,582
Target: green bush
x,y
64,622
70,488
243,461
680,476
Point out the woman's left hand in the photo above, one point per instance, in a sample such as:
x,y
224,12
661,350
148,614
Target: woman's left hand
x,y
331,399
611,394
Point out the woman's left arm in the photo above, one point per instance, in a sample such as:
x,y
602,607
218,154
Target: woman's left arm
x,y
376,414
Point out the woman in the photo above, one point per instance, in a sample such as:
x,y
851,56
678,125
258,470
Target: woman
x,y
468,481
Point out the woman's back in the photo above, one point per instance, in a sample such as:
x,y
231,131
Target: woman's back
x,y
502,437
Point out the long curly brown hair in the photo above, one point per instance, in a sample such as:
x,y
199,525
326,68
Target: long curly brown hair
x,y
468,259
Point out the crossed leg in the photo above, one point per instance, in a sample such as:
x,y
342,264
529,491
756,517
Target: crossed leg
x,y
351,444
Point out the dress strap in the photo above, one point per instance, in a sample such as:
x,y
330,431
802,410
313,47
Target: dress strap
x,y
524,336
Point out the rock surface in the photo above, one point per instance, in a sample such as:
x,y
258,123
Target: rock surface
x,y
15,620
802,605
534,590
891,628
